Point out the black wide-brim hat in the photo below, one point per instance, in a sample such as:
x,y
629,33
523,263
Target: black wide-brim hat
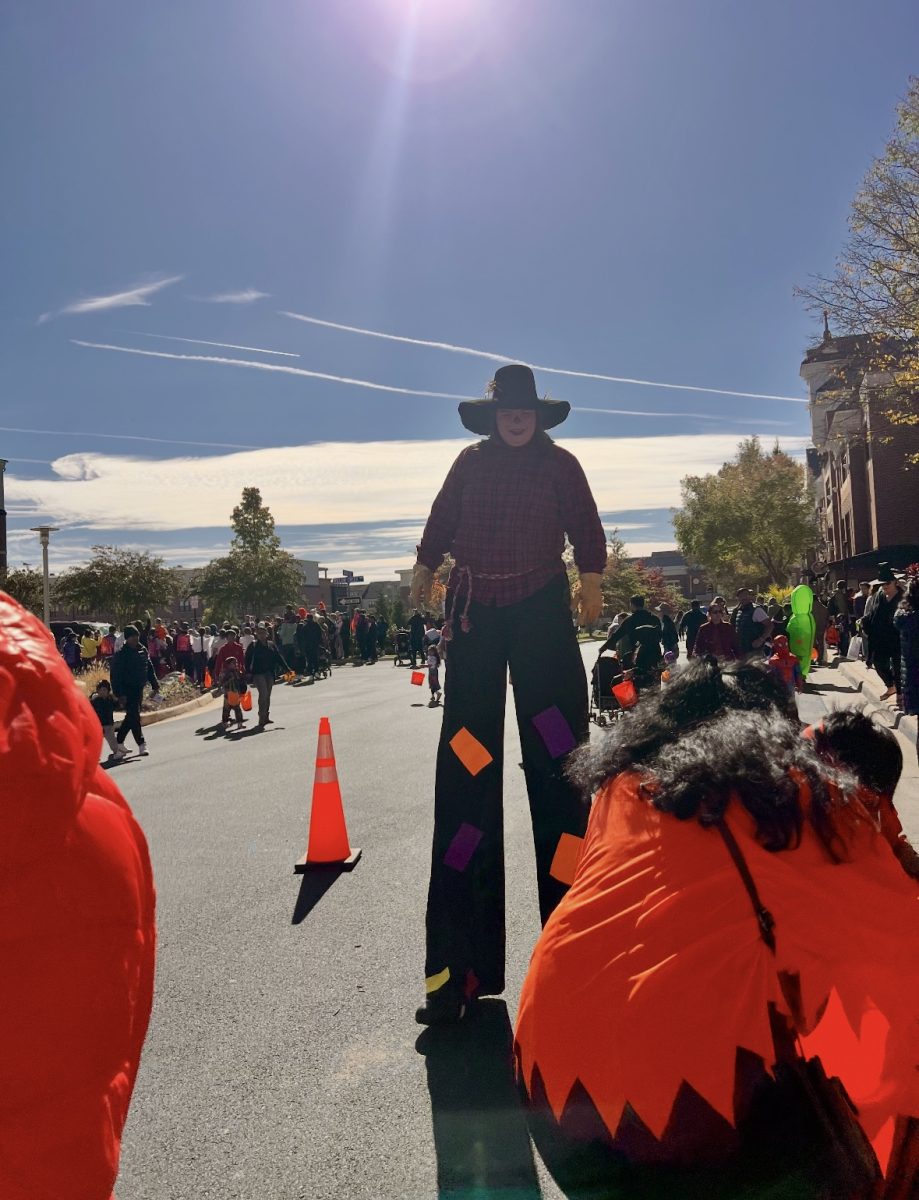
x,y
512,387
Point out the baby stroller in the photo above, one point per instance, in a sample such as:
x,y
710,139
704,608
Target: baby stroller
x,y
323,660
604,707
403,655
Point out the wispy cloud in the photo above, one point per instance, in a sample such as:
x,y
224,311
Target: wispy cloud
x,y
398,481
132,297
385,387
244,296
166,337
506,358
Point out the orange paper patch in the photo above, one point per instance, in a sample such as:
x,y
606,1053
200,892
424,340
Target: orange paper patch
x,y
470,751
565,861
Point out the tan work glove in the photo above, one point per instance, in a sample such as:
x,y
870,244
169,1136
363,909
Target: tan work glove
x,y
422,582
589,599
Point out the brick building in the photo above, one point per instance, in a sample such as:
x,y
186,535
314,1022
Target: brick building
x,y
867,498
688,580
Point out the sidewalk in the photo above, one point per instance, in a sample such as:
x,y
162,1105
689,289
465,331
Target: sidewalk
x,y
870,686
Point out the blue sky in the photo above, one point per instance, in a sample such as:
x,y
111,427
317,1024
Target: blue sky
x,y
625,189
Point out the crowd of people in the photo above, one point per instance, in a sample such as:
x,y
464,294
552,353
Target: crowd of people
x,y
877,622
299,644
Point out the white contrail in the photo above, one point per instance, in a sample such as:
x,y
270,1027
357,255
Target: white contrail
x,y
123,437
166,337
366,383
261,366
630,412
506,358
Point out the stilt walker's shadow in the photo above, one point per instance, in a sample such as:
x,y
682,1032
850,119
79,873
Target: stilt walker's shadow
x,y
480,1130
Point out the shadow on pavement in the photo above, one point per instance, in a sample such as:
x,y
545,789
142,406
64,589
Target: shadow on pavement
x,y
480,1131
313,887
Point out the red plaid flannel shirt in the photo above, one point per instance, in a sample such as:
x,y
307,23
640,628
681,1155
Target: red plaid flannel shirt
x,y
503,513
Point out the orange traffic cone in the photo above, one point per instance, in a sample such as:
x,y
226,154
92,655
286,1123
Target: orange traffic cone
x,y
328,844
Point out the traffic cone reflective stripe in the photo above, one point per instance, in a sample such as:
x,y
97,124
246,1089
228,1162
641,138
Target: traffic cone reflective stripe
x,y
328,844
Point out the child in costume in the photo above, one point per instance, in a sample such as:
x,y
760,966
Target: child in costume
x,y
658,1001
433,661
784,666
76,984
233,685
503,513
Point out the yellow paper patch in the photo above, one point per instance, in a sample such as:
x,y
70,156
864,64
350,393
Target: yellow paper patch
x,y
470,751
434,983
565,860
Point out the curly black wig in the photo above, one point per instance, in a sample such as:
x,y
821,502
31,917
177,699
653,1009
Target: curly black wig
x,y
719,731
851,739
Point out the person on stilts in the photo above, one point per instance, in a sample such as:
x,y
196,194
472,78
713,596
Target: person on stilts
x,y
503,513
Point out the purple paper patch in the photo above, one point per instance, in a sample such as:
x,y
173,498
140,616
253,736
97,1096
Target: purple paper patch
x,y
462,848
555,732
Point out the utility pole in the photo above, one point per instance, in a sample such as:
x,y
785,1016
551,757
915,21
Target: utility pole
x,y
44,536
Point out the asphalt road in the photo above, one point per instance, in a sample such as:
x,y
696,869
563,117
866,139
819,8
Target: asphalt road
x,y
283,1061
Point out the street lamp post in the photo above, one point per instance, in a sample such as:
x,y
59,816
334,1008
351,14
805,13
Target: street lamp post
x,y
44,536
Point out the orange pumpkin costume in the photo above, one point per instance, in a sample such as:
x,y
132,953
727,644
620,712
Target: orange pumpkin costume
x,y
76,927
651,972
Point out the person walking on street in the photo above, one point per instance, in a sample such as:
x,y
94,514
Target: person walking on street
x,y
264,663
503,513
717,636
670,638
642,630
883,635
416,636
231,648
690,625
131,670
309,639
89,648
104,708
751,624
70,650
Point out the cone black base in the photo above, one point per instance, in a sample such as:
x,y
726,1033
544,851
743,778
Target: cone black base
x,y
347,864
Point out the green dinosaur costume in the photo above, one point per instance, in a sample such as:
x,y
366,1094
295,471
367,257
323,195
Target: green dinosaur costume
x,y
802,628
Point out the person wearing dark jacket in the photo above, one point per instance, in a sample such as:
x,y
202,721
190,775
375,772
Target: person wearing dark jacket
x,y
416,636
690,625
263,664
643,630
309,639
131,670
885,640
670,638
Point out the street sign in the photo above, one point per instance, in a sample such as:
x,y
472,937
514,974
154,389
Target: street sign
x,y
356,578
348,574
341,581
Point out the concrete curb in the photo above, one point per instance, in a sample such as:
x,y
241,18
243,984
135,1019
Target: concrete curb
x,y
857,674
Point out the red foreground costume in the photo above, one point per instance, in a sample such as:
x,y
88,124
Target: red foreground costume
x,y
651,975
76,928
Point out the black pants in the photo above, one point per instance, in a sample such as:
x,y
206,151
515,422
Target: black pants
x,y
886,660
465,914
417,652
311,653
131,722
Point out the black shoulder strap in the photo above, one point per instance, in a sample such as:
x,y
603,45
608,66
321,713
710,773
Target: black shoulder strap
x,y
764,917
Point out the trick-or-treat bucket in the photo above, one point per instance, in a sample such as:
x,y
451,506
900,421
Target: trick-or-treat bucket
x,y
418,678
625,693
